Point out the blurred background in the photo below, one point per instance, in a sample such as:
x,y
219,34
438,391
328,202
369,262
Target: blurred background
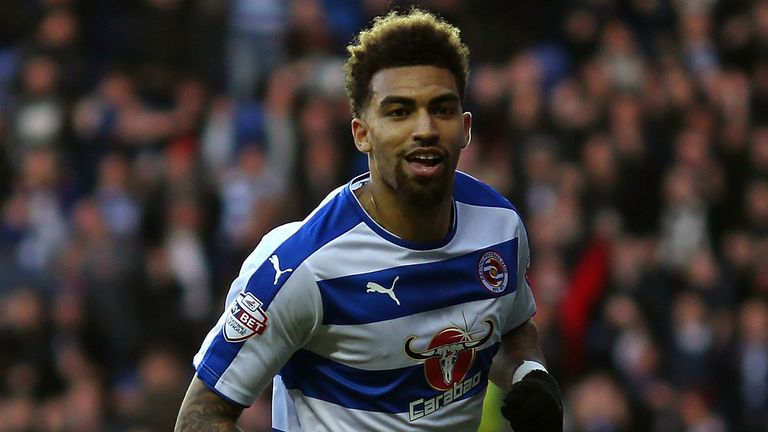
x,y
147,145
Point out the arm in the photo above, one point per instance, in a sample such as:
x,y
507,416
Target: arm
x,y
533,401
204,410
518,345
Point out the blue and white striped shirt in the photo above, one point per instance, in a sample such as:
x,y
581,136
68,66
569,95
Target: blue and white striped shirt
x,y
363,330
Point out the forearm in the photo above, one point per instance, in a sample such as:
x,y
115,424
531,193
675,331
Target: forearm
x,y
533,402
203,410
517,346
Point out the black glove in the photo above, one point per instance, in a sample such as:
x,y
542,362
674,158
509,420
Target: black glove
x,y
534,404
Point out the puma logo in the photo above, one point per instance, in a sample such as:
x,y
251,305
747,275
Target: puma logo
x,y
276,264
374,287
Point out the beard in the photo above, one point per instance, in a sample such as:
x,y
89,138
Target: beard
x,y
425,194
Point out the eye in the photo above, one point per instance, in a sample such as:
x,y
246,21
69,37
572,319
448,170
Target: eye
x,y
397,112
446,110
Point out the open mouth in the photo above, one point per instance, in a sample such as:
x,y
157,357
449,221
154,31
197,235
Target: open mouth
x,y
425,163
429,160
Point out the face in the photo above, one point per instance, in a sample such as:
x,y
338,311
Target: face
x,y
413,131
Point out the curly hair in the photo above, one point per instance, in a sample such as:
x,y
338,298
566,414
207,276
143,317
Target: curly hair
x,y
414,38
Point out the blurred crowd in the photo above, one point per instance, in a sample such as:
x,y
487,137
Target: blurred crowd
x,y
147,145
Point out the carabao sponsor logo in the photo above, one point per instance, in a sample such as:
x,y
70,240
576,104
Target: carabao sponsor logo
x,y
424,407
449,355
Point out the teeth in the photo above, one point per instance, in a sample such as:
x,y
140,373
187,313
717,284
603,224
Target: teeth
x,y
426,157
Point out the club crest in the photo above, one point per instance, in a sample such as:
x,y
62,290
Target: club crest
x,y
492,271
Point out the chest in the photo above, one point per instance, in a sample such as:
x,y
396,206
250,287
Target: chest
x,y
436,311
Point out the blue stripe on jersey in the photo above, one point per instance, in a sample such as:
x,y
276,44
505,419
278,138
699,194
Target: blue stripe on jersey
x,y
419,288
387,391
469,190
331,221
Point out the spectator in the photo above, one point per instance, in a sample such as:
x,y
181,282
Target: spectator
x,y
135,166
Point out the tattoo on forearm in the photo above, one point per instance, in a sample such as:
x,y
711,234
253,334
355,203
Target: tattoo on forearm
x,y
204,411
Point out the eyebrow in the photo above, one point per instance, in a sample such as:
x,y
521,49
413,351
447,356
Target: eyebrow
x,y
402,100
445,98
396,100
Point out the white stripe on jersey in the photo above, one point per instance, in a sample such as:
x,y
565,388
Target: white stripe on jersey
x,y
269,355
284,416
321,416
471,237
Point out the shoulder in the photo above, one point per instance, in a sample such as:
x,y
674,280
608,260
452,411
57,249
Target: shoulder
x,y
483,210
469,190
294,242
271,241
280,257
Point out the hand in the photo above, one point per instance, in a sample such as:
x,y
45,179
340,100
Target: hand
x,y
534,404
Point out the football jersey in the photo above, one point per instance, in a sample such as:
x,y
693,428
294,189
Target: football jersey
x,y
358,329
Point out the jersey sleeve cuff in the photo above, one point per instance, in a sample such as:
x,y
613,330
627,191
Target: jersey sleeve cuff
x,y
210,380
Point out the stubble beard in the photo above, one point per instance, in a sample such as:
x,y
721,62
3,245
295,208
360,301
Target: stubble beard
x,y
423,195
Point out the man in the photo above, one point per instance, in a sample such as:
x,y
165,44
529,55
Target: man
x,y
392,304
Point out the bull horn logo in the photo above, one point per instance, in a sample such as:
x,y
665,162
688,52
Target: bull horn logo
x,y
451,351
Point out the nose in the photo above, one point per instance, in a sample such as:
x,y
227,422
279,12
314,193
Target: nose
x,y
424,128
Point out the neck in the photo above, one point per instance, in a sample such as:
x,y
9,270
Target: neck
x,y
410,222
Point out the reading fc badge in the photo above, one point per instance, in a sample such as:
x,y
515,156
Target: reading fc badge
x,y
493,272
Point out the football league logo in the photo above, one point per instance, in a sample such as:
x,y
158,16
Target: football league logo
x,y
449,355
245,319
493,272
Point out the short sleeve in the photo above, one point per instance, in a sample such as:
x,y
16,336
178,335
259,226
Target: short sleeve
x,y
523,305
272,310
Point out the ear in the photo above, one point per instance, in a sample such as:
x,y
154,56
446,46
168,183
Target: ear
x,y
467,128
360,135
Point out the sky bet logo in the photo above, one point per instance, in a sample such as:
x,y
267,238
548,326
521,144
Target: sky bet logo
x,y
245,318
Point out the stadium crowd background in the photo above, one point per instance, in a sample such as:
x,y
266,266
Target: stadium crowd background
x,y
147,145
